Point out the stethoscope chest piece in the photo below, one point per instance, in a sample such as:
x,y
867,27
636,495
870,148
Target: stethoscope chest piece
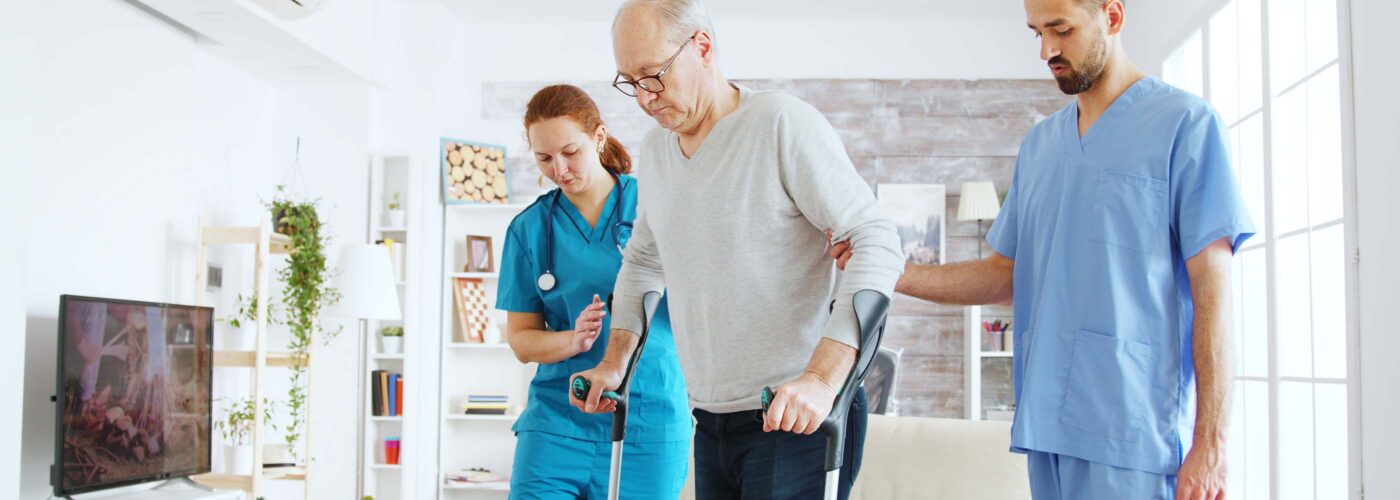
x,y
546,281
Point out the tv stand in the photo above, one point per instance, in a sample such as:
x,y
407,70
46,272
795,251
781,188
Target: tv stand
x,y
165,491
182,484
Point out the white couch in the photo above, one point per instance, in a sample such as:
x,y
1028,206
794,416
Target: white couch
x,y
933,459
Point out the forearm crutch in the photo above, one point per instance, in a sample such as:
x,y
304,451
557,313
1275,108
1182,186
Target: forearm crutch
x,y
870,307
581,386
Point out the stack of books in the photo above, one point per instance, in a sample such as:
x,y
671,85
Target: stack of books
x,y
386,398
485,404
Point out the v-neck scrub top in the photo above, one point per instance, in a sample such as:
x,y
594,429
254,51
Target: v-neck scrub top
x,y
586,261
1100,228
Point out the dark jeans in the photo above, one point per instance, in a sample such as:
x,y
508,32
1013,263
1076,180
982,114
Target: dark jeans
x,y
735,459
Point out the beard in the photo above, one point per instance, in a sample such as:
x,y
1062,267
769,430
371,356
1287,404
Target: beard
x,y
1078,80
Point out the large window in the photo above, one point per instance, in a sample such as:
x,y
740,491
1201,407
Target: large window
x,y
1273,69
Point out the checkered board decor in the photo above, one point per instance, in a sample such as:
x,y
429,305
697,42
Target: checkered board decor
x,y
472,308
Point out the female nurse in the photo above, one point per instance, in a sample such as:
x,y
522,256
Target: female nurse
x,y
561,258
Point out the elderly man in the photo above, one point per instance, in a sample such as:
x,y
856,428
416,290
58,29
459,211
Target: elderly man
x,y
1117,232
737,188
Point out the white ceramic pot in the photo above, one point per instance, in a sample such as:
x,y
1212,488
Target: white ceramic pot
x,y
391,345
238,459
396,217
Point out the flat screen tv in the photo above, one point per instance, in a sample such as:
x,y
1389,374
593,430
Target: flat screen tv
x,y
134,385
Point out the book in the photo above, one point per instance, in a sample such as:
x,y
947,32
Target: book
x,y
398,403
383,392
374,393
392,407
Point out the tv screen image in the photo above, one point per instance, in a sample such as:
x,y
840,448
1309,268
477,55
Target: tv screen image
x,y
134,392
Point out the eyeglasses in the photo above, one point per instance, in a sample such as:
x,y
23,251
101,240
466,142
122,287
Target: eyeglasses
x,y
651,83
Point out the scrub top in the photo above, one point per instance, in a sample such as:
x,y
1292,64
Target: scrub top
x,y
585,262
1100,228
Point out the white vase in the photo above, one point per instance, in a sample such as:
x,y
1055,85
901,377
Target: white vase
x,y
391,345
396,217
238,459
492,335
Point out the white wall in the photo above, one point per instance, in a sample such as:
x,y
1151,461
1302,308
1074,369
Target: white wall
x,y
18,34
138,132
1154,29
1377,124
952,48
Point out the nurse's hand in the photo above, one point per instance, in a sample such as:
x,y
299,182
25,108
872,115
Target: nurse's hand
x,y
1202,474
604,377
841,251
587,327
800,406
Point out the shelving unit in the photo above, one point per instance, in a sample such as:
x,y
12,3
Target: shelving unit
x,y
388,174
266,243
973,358
475,441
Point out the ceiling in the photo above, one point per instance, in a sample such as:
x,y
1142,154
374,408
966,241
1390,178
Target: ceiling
x,y
553,11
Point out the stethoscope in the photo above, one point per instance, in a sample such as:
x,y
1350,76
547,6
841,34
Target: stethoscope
x,y
547,281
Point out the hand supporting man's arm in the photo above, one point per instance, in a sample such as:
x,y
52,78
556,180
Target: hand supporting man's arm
x,y
985,281
1202,475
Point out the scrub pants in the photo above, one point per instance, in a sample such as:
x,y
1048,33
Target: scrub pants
x,y
553,467
1062,477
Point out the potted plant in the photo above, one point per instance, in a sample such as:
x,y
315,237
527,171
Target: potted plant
x,y
391,340
395,212
236,426
306,280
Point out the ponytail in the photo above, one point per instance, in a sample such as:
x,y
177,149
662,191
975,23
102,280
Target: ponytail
x,y
614,157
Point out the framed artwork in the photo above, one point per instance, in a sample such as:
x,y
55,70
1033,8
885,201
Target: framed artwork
x,y
920,215
479,257
473,173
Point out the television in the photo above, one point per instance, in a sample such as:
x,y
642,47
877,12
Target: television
x,y
134,393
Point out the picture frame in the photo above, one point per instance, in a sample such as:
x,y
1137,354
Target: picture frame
x,y
473,173
920,214
480,258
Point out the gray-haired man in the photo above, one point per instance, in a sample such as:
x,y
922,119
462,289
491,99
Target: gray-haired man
x,y
737,193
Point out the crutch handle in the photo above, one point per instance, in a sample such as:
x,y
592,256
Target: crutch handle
x,y
580,386
870,308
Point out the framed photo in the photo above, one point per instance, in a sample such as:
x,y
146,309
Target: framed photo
x,y
920,215
479,257
473,173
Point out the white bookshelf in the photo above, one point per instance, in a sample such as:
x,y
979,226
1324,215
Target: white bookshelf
x,y
475,441
974,356
392,173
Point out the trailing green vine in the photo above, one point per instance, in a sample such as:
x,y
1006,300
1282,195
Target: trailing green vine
x,y
306,278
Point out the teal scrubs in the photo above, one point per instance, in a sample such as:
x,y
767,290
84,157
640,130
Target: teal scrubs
x,y
557,450
1100,228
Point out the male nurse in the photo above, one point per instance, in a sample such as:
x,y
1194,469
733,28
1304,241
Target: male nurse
x,y
1115,242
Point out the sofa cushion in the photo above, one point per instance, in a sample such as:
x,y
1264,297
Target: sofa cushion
x,y
936,458
933,458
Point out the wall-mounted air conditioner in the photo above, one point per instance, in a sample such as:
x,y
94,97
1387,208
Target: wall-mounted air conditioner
x,y
291,9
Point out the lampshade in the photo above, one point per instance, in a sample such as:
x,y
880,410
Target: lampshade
x,y
366,284
978,201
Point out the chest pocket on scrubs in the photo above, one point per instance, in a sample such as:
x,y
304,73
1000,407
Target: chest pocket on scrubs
x,y
1109,386
1130,211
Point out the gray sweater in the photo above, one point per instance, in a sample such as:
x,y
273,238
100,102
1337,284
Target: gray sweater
x,y
736,235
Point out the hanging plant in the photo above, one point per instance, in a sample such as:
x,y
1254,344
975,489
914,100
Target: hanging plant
x,y
306,280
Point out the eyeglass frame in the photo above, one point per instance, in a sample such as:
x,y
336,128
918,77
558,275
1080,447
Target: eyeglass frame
x,y
637,84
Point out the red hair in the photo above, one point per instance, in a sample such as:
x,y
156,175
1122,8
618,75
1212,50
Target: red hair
x,y
569,101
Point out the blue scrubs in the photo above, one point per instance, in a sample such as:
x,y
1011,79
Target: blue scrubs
x,y
559,447
1100,228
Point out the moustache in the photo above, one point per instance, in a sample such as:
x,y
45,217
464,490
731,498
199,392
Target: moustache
x,y
1059,60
